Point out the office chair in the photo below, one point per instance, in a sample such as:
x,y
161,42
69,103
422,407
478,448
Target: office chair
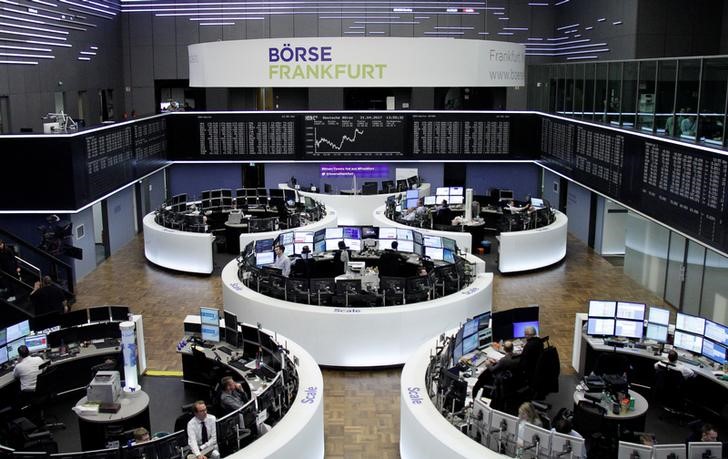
x,y
669,392
44,394
20,433
183,419
611,363
589,422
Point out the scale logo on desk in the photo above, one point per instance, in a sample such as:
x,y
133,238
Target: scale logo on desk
x,y
237,286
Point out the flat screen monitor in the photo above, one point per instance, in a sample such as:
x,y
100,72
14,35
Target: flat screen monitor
x,y
470,327
674,451
442,190
37,343
210,316
119,313
504,429
537,202
600,327
413,194
412,203
629,328
405,234
449,244
714,351
298,248
566,446
457,351
656,332
210,333
22,329
659,316
3,355
602,308
405,246
3,337
335,233
704,449
264,245
276,193
369,232
232,337
332,244
13,348
73,318
319,246
231,320
100,314
690,323
319,235
634,451
448,256
251,201
470,343
353,244
716,332
430,200
536,439
300,237
352,232
519,328
687,341
285,238
207,194
387,186
630,311
387,233
457,200
505,194
434,253
288,250
264,258
432,241
456,191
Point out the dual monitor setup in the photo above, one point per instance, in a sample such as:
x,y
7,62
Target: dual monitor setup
x,y
694,450
634,321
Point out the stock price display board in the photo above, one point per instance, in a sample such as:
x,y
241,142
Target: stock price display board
x,y
108,154
462,135
247,136
685,188
150,145
354,136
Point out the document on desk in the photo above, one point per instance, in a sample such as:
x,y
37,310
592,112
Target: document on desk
x,y
492,353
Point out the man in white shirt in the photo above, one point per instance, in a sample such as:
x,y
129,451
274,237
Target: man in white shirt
x,y
27,369
673,363
201,433
282,261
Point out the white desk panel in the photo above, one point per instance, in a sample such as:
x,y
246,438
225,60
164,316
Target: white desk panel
x,y
330,220
533,249
357,337
179,250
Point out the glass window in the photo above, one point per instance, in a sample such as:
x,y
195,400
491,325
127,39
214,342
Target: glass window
x,y
600,93
629,93
579,90
665,121
645,252
569,90
589,91
646,95
614,92
686,97
715,289
560,81
712,101
553,87
693,278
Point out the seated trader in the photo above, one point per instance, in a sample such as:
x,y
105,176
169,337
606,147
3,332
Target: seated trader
x,y
532,351
444,214
233,396
282,261
48,297
708,433
27,370
495,368
201,433
302,267
415,212
389,261
673,364
141,435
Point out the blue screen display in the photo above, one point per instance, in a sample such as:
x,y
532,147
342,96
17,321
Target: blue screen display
x,y
351,232
519,328
211,333
209,316
470,343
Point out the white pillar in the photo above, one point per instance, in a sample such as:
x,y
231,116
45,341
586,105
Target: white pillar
x,y
129,351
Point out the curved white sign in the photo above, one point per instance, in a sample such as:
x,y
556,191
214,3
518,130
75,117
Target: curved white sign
x,y
358,62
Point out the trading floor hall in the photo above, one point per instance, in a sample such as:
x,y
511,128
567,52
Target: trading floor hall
x,y
361,406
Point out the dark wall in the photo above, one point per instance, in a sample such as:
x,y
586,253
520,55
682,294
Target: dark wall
x,y
195,178
522,178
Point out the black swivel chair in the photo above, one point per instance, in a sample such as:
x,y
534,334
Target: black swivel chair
x,y
589,422
183,419
669,392
44,394
21,434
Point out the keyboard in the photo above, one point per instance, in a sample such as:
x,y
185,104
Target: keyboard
x,y
57,358
5,371
225,349
106,344
688,360
239,364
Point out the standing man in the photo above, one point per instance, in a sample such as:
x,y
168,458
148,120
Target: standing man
x,y
532,351
48,298
201,433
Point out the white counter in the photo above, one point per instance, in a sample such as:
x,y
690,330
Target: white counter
x,y
464,240
179,250
330,220
533,249
355,210
357,337
424,432
300,433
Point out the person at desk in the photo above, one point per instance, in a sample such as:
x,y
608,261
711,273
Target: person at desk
x,y
673,363
495,368
389,261
302,266
532,350
414,213
141,435
443,216
282,262
233,396
201,433
48,297
27,370
341,257
708,433
514,209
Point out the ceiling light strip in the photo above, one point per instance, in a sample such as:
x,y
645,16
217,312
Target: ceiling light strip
x,y
26,34
19,62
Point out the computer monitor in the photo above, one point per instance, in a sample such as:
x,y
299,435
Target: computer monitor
x,y
210,332
264,258
600,327
170,445
656,332
504,429
457,351
99,314
3,355
674,451
387,233
301,237
629,328
348,285
536,441
20,330
210,316
353,244
207,194
412,181
630,311
412,203
566,446
470,327
73,318
602,308
412,194
13,348
505,194
442,191
690,323
3,337
430,200
319,246
519,328
332,244
470,343
335,233
351,232
432,241
285,238
388,186
264,245
456,200
37,343
448,255
456,191
716,332
705,450
434,253
405,246
634,451
659,316
688,341
714,351
537,202
276,193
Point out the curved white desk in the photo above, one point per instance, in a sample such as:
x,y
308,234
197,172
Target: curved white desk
x,y
463,239
355,210
357,337
424,432
329,220
533,249
178,250
301,431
